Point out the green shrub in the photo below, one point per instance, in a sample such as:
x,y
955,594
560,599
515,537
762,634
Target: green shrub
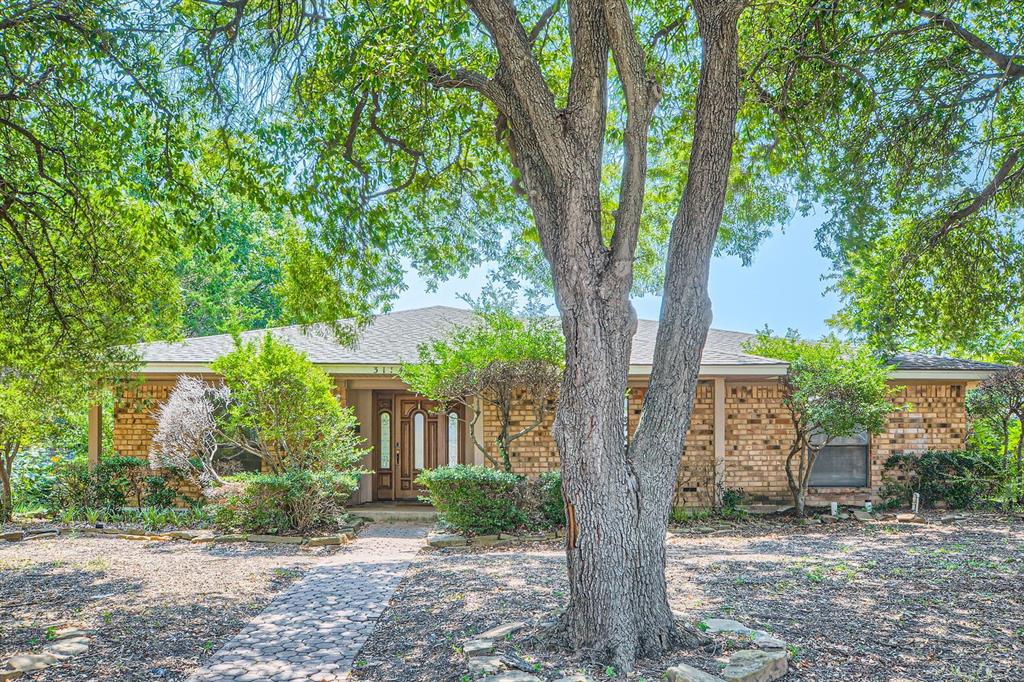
x,y
961,478
158,493
72,487
32,478
552,504
118,480
476,499
295,501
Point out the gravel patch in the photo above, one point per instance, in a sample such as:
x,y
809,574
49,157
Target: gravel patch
x,y
869,602
157,608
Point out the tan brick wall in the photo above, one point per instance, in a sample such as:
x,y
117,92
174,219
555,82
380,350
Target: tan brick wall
x,y
535,452
531,454
757,436
759,430
133,431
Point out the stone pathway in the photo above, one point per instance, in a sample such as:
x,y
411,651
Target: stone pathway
x,y
314,630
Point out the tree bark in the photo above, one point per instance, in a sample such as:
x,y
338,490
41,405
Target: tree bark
x,y
618,495
6,494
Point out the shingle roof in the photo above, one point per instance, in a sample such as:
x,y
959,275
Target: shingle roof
x,y
394,337
941,362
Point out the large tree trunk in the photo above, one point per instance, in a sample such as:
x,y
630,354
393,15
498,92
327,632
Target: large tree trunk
x,y
618,496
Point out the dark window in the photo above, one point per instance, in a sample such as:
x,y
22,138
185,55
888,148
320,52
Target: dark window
x,y
843,463
232,460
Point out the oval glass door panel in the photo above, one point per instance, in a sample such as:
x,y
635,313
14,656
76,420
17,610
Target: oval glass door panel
x,y
385,440
418,439
453,439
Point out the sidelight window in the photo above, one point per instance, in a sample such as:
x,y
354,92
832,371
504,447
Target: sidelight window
x,y
453,439
385,440
418,439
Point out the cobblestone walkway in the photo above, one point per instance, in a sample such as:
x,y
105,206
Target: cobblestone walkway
x,y
314,629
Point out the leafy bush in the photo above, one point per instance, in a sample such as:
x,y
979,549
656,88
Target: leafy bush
x,y
962,478
158,493
732,498
32,478
72,487
476,499
552,504
118,480
299,501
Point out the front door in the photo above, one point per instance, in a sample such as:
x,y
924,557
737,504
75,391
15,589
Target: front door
x,y
411,436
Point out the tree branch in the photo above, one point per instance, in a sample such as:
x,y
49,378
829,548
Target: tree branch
x,y
642,93
1004,174
1011,65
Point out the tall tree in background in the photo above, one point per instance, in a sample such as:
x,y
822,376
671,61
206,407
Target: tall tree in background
x,y
449,133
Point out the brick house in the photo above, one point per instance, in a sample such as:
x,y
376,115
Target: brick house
x,y
738,435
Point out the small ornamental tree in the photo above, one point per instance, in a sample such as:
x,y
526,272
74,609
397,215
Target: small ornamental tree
x,y
832,390
1000,399
504,361
273,403
186,436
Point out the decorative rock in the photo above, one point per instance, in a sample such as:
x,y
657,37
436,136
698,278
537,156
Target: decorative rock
x,y
952,518
827,518
486,665
478,647
8,674
327,540
71,632
40,535
909,518
66,648
447,541
277,539
12,536
716,625
753,665
512,676
28,662
184,534
489,540
862,515
501,631
202,540
763,640
686,673
230,538
810,522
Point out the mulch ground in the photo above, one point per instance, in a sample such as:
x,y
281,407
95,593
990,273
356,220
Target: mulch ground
x,y
894,602
157,608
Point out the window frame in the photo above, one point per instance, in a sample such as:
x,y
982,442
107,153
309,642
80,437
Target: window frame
x,y
867,465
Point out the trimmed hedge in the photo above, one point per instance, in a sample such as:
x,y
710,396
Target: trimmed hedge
x,y
961,478
299,501
552,504
481,500
476,499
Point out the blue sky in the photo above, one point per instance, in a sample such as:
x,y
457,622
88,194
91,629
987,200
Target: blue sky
x,y
782,287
